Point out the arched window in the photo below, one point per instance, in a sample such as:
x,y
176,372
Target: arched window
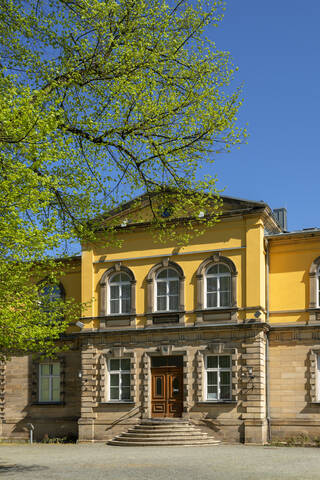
x,y
167,290
165,299
119,294
52,292
216,289
50,296
217,286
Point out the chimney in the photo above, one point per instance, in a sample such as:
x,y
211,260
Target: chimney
x,y
280,214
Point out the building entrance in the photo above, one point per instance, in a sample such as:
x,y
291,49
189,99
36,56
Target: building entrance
x,y
167,386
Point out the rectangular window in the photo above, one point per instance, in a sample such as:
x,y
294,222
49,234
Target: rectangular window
x,y
119,379
218,290
49,382
167,295
114,298
218,377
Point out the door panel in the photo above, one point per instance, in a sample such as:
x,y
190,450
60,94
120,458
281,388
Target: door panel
x,y
159,394
174,393
167,392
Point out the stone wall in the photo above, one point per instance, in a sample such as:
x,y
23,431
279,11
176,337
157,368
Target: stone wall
x,y
85,410
241,419
294,408
21,405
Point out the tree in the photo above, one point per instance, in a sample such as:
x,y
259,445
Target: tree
x,y
33,316
99,101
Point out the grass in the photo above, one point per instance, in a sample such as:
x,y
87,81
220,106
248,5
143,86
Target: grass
x,y
301,440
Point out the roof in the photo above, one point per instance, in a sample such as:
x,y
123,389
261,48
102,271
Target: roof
x,y
305,232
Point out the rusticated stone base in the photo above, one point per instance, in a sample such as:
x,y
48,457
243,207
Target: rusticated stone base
x,y
226,430
291,429
256,431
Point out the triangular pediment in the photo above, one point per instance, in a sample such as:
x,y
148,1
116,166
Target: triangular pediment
x,y
139,210
235,204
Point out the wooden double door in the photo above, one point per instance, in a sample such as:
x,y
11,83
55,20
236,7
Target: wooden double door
x,y
167,391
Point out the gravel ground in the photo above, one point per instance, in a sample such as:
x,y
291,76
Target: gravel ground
x,y
102,462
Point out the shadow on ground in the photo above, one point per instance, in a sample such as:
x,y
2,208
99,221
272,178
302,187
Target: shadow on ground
x,y
6,468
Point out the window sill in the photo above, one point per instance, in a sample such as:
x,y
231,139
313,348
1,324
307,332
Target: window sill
x,y
217,309
168,312
55,404
217,314
118,320
166,318
117,402
217,402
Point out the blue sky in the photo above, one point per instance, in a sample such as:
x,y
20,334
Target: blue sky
x,y
276,45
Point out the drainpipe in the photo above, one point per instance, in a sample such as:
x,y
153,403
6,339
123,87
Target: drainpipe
x,y
267,345
31,428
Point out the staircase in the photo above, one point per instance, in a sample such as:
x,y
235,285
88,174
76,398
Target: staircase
x,y
163,432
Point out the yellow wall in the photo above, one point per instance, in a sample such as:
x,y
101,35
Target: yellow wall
x,y
290,261
139,243
71,282
255,266
239,238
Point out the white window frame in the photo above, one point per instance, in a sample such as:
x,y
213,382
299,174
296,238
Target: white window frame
x,y
217,276
118,284
167,290
118,372
50,376
218,370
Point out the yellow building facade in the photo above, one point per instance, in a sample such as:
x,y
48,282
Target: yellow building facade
x,y
223,332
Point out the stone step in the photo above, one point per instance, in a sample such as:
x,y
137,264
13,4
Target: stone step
x,y
164,427
139,438
166,433
167,429
152,443
164,424
161,421
160,432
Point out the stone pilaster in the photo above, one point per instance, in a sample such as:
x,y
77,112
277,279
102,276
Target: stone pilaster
x,y
254,390
133,378
199,369
102,379
2,394
89,371
146,386
187,383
